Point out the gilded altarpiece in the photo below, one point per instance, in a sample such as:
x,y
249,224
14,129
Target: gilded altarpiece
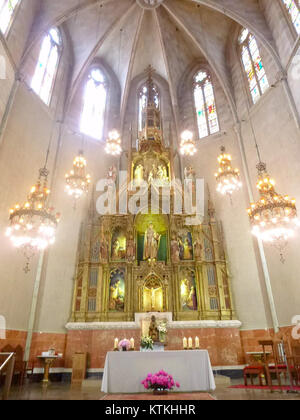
x,y
151,262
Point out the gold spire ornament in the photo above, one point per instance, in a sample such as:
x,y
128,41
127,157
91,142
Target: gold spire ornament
x,y
274,217
187,145
113,143
77,181
228,179
33,225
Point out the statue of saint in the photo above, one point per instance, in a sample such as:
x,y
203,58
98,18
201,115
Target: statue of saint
x,y
139,173
175,252
151,243
153,330
130,249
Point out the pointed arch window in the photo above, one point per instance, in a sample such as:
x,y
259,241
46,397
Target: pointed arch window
x,y
205,104
143,102
253,65
293,8
43,80
94,105
7,12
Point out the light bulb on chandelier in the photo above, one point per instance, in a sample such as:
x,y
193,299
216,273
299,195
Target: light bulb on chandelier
x,y
77,181
113,143
273,217
228,179
33,225
187,145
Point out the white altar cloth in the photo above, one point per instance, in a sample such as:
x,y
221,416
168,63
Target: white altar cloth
x,y
124,371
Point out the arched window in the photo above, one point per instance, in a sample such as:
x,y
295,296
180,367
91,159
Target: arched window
x,y
94,105
143,98
293,7
43,80
207,117
7,11
252,62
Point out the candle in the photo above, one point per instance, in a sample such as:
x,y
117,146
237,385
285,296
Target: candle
x,y
190,343
185,343
132,343
116,343
197,343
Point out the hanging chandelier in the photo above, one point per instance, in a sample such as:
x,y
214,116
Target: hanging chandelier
x,y
113,143
188,145
33,225
273,217
228,179
77,181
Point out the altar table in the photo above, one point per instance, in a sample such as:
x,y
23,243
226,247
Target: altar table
x,y
124,371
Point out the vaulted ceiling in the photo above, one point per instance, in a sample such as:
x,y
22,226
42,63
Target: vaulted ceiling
x,y
128,35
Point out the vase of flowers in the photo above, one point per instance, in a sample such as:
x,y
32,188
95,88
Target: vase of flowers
x,y
160,383
147,344
124,345
162,329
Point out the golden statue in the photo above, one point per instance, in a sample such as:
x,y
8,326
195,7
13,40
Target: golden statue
x,y
151,243
153,330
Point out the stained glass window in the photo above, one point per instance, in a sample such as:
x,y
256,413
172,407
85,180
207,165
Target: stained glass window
x,y
293,7
252,62
45,72
207,117
94,105
7,10
143,102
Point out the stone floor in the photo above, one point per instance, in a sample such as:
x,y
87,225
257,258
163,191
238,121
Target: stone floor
x,y
64,391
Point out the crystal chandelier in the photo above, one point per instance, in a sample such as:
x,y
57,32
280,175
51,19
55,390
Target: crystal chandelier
x,y
188,145
77,181
228,179
33,225
273,217
113,143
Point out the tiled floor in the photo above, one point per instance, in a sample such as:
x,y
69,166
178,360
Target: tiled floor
x,y
64,391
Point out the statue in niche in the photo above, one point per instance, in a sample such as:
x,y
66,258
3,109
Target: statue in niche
x,y
153,330
175,249
198,249
111,177
139,173
130,249
151,243
103,246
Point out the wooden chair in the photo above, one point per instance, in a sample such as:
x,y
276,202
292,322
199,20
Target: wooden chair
x,y
276,364
254,371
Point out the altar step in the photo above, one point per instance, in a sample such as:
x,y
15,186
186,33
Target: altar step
x,y
222,380
92,383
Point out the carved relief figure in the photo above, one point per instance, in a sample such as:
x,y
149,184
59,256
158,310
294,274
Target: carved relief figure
x,y
130,249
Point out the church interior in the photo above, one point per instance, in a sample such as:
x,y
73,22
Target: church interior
x,y
149,161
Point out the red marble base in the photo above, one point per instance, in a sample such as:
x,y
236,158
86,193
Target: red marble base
x,y
227,347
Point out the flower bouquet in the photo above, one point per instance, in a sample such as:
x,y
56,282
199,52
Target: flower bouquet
x,y
124,345
161,383
162,329
147,343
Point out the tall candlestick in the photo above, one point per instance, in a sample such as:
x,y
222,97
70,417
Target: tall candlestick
x,y
185,343
197,343
132,343
190,343
116,343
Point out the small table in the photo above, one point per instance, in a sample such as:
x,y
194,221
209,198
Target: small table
x,y
47,362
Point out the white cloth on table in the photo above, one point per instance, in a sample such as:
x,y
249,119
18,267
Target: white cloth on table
x,y
124,371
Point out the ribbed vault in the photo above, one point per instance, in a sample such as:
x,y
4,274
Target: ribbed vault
x,y
128,35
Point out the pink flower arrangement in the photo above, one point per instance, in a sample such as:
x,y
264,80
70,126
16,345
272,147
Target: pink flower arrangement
x,y
124,345
160,381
